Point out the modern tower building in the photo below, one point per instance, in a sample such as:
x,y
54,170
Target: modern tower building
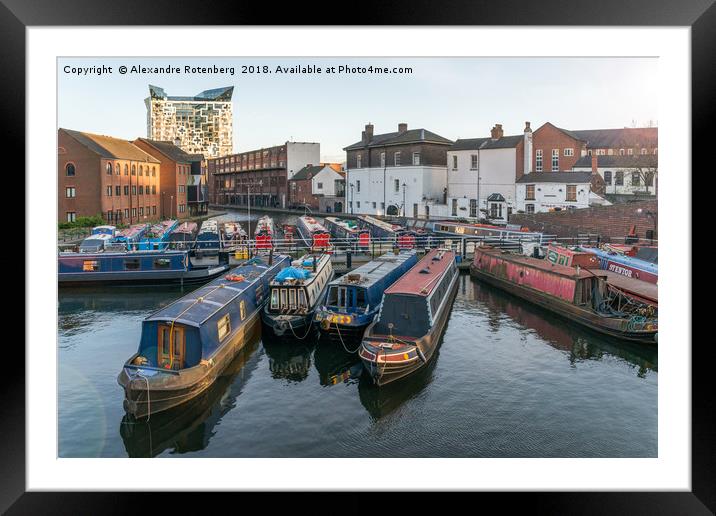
x,y
202,124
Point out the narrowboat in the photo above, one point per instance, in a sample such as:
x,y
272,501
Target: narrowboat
x,y
629,266
130,236
187,345
578,294
208,240
413,314
96,242
562,255
348,231
184,236
353,300
296,292
105,230
487,231
403,237
157,236
233,234
131,268
265,233
313,233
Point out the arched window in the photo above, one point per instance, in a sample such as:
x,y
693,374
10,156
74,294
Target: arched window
x,y
70,169
126,169
134,170
109,168
117,169
154,171
643,150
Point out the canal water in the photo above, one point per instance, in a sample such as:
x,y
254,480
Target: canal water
x,y
508,380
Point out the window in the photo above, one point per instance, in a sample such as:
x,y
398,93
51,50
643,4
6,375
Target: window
x,y
358,185
454,207
110,215
454,162
630,152
154,210
473,207
284,295
131,264
396,158
571,192
134,170
382,159
126,213
90,265
608,177
619,181
141,170
643,151
601,152
358,161
274,299
635,178
126,170
70,170
141,211
154,171
589,152
374,205
108,168
357,204
319,186
530,192
649,178
118,190
473,162
224,327
416,158
396,184
109,191
530,208
134,212
126,189
538,159
154,189
71,216
134,189
242,309
610,152
621,152
70,192
162,263
569,152
292,298
141,189
555,160
117,169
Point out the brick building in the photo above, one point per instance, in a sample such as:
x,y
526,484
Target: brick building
x,y
174,175
262,174
105,175
311,183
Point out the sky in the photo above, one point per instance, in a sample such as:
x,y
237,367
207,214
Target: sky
x,y
453,97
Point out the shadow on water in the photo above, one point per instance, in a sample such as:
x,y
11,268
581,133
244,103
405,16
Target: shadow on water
x,y
289,358
334,364
580,343
190,427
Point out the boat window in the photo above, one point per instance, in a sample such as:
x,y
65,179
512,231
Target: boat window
x,y
242,309
292,298
224,327
283,298
332,299
131,264
274,298
162,263
165,341
302,298
90,265
360,297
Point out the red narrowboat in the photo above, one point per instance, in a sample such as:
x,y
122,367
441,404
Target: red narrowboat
x,y
264,233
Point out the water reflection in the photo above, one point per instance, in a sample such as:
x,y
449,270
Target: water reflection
x,y
579,343
190,427
289,359
335,365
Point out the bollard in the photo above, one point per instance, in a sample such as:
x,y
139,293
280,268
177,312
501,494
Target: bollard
x,y
349,259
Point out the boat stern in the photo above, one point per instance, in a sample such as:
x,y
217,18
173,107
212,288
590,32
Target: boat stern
x,y
388,361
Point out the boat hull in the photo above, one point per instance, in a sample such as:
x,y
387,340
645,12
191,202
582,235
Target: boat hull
x,y
604,325
141,277
289,326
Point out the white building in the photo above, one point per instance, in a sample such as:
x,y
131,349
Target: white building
x,y
553,191
398,173
487,169
627,175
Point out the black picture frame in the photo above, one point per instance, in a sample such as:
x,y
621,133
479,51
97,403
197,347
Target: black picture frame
x,y
700,15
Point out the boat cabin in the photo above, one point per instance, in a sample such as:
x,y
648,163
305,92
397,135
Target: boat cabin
x,y
95,243
298,288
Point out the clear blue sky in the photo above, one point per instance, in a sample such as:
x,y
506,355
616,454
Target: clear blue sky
x,y
454,97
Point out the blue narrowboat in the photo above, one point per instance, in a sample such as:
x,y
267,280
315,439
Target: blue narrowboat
x,y
184,236
188,344
131,268
157,236
628,266
96,243
130,236
353,300
208,240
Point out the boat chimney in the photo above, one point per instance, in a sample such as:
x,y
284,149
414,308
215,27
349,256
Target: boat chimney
x,y
270,261
314,264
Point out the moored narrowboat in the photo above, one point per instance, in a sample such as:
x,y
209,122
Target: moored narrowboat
x,y
131,268
629,266
130,236
314,234
353,300
156,237
403,237
186,345
579,294
208,240
183,236
348,231
295,294
265,233
96,242
232,234
415,309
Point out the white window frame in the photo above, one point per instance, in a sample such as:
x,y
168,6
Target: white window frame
x,y
555,156
473,161
416,158
396,159
538,161
70,192
569,151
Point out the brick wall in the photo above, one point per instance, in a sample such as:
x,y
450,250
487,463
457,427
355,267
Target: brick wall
x,y
548,137
611,222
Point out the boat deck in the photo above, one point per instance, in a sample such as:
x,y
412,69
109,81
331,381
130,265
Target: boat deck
x,y
642,289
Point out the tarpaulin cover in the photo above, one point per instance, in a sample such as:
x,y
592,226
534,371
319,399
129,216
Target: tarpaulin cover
x,y
292,273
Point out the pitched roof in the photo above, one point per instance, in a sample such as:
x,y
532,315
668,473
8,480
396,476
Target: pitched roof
x,y
110,147
506,142
615,138
308,172
468,144
170,150
556,177
398,138
647,160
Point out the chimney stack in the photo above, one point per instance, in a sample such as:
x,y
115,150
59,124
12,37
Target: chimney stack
x,y
402,128
496,132
367,135
528,149
594,164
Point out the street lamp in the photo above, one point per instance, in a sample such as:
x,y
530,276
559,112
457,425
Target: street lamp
x,y
404,187
351,185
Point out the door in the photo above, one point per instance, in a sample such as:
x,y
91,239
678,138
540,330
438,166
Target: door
x,y
171,346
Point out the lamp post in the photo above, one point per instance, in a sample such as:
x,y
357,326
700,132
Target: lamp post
x,y
404,187
171,206
351,185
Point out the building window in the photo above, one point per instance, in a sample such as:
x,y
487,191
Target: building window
x,y
108,168
396,158
134,212
643,151
589,152
382,159
71,216
473,208
117,169
473,162
134,190
141,170
619,180
571,193
621,152
358,185
110,215
141,211
126,170
374,204
70,170
319,186
635,178
649,178
109,191
630,152
601,152
358,204
134,170
454,207
126,213
608,177
530,208
141,189
530,192
154,171
396,184
70,192
117,191
154,210
154,189
569,152
538,159
555,160
358,161
126,189
454,162
416,158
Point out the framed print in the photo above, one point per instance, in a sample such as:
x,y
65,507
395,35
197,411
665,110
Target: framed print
x,y
414,256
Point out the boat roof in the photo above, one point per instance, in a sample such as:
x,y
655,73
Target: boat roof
x,y
375,269
186,227
132,230
99,236
419,283
198,306
311,223
322,260
544,265
381,223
